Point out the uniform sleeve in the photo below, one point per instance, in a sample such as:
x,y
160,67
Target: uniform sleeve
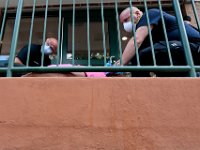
x,y
154,18
34,50
22,55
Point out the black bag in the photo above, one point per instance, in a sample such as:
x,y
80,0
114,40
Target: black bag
x,y
195,48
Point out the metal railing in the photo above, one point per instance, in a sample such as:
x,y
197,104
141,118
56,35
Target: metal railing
x,y
115,7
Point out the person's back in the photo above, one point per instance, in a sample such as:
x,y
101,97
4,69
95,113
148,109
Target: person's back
x,y
172,28
34,57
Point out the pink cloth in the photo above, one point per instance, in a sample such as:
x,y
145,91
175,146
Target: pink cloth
x,y
96,74
88,74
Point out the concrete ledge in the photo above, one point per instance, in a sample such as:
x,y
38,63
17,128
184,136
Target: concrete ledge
x,y
100,114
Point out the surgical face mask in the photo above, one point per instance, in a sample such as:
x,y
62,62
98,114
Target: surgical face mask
x,y
128,26
46,49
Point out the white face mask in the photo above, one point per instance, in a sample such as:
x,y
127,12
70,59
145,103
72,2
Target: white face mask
x,y
128,26
46,49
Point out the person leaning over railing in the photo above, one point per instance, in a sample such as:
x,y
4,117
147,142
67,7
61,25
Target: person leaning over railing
x,y
142,35
49,48
35,56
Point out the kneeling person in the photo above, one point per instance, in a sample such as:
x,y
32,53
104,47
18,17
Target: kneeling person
x,y
35,58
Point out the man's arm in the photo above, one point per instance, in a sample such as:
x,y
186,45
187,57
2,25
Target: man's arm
x,y
18,61
129,51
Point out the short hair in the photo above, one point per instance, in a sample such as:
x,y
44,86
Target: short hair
x,y
187,18
126,13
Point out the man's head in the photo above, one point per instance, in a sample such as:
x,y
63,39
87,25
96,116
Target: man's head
x,y
53,43
125,17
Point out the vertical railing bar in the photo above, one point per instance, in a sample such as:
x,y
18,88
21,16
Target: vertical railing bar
x,y
31,31
59,33
150,35
4,20
134,37
88,32
15,38
44,32
61,49
118,31
103,31
73,34
165,33
196,14
184,38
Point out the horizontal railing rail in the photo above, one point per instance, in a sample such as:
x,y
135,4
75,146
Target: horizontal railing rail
x,y
71,24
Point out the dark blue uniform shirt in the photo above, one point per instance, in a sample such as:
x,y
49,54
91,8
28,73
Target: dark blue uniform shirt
x,y
171,28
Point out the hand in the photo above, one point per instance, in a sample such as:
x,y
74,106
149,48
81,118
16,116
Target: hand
x,y
117,63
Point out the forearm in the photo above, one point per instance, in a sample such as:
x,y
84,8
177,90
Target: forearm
x,y
129,52
18,61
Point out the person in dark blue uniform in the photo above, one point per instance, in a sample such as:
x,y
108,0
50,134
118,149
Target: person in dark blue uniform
x,y
142,35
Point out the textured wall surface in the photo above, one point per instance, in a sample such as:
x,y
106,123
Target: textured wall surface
x,y
190,12
99,114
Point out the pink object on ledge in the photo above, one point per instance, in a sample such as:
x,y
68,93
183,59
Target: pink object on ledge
x,y
95,74
88,74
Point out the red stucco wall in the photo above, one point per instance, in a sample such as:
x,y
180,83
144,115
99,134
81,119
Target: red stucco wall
x,y
99,114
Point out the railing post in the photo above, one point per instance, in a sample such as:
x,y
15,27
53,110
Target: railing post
x,y
0,28
118,31
184,37
196,14
44,30
88,32
15,38
73,32
0,16
3,21
59,32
